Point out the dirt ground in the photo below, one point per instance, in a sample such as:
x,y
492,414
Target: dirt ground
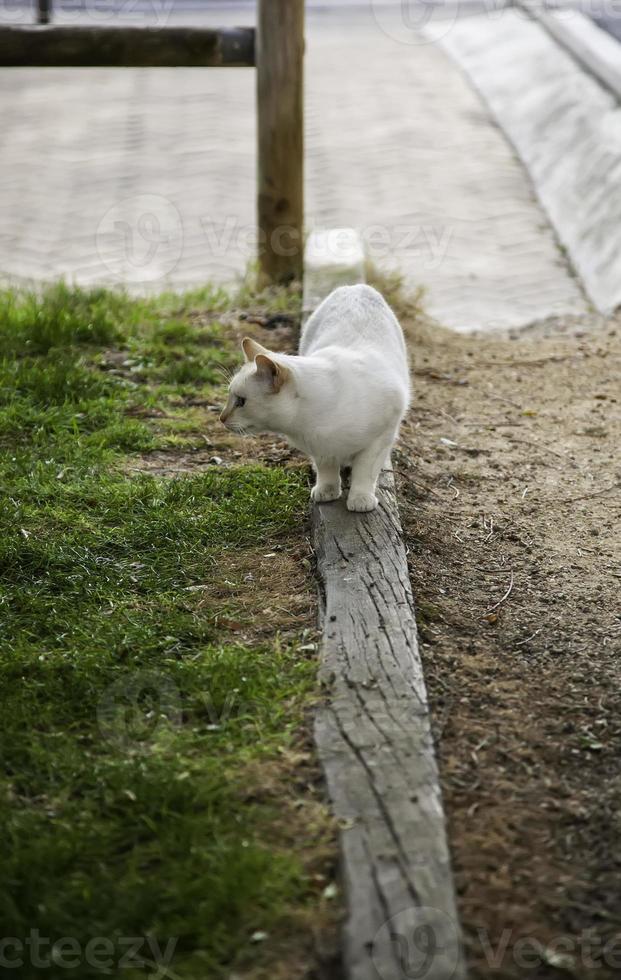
x,y
509,473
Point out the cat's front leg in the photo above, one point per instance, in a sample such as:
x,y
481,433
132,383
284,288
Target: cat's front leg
x,y
365,469
328,485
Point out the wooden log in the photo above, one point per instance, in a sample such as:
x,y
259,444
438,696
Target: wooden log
x,y
126,47
374,739
372,729
280,128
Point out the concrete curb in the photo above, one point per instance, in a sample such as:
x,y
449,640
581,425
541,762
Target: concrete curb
x,y
332,257
592,46
566,128
373,730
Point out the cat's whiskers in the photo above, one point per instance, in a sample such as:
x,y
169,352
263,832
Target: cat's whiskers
x,y
225,372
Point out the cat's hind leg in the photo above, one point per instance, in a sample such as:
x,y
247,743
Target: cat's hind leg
x,y
365,469
328,485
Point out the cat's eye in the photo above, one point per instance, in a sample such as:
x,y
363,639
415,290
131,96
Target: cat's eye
x,y
239,402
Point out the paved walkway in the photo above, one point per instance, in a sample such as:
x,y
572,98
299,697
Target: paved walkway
x,y
147,176
567,131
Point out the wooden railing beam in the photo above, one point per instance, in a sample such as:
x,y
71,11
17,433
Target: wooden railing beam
x,y
126,47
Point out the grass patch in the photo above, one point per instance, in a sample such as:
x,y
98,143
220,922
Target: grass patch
x,y
135,729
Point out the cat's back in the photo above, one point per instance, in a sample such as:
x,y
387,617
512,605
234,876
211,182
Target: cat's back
x,y
356,318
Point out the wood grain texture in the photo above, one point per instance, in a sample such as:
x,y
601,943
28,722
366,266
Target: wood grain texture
x,y
280,133
126,47
372,730
374,740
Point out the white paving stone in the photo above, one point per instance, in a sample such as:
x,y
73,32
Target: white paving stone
x,y
399,147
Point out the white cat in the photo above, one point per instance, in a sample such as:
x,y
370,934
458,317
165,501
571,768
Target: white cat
x,y
340,401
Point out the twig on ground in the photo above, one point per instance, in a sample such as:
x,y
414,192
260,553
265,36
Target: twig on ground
x,y
547,449
526,362
531,637
500,398
504,598
586,496
421,486
449,417
488,527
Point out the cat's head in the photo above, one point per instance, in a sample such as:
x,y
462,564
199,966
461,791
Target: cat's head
x,y
261,394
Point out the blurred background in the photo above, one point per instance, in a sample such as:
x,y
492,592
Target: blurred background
x,y
147,177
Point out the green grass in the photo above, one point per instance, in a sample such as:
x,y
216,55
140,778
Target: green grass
x,y
128,720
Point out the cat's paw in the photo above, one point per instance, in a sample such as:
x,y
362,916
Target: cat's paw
x,y
361,502
327,491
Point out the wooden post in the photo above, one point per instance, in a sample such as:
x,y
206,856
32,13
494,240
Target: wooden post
x,y
44,11
280,124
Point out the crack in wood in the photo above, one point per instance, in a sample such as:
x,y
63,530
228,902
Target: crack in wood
x,y
373,731
375,743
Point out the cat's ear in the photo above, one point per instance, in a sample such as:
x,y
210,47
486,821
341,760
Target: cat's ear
x,y
269,371
251,348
